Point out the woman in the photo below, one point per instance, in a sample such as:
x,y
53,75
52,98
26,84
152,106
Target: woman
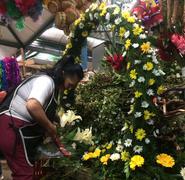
x,y
30,111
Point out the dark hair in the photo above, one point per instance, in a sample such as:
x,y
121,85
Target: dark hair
x,y
65,67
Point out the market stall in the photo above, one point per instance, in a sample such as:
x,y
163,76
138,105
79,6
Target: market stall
x,y
128,119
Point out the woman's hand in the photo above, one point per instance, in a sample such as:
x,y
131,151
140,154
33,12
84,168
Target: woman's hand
x,y
36,111
61,147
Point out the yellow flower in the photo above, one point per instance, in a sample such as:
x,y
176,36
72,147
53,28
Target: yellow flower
x,y
138,94
161,89
137,30
151,82
102,6
77,22
84,33
109,146
127,44
87,156
125,14
136,160
116,10
148,66
145,47
125,156
148,115
165,160
131,108
93,6
131,19
104,159
133,74
103,150
96,153
122,31
140,134
113,28
77,60
128,65
69,45
103,12
66,92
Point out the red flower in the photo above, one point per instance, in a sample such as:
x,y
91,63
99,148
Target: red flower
x,y
179,42
166,49
25,5
115,61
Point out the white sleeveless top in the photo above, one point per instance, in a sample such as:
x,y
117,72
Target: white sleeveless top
x,y
40,88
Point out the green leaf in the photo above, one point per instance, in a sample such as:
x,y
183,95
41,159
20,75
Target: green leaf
x,y
127,170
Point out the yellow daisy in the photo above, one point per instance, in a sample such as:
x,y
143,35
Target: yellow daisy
x,y
145,47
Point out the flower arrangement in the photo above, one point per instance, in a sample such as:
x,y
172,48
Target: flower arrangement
x,y
128,131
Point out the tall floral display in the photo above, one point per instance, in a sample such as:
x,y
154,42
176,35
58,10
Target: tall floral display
x,y
129,137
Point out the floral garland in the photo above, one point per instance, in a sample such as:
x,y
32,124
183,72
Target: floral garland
x,y
144,76
9,73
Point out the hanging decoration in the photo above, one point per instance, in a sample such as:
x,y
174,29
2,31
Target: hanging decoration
x,y
9,74
19,9
66,11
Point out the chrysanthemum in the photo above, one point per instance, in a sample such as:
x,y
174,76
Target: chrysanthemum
x,y
165,160
136,161
145,47
140,134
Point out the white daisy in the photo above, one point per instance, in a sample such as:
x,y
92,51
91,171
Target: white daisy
x,y
150,122
90,17
138,149
96,15
162,72
124,53
156,133
182,172
73,145
137,62
147,141
128,142
115,156
141,79
119,142
119,148
137,114
132,100
107,17
142,36
156,72
150,92
154,59
81,25
118,21
178,75
144,104
132,83
135,25
135,45
127,34
124,127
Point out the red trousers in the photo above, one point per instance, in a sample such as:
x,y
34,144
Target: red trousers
x,y
14,152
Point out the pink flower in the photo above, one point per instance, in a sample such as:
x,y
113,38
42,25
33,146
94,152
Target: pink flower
x,y
115,61
179,42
